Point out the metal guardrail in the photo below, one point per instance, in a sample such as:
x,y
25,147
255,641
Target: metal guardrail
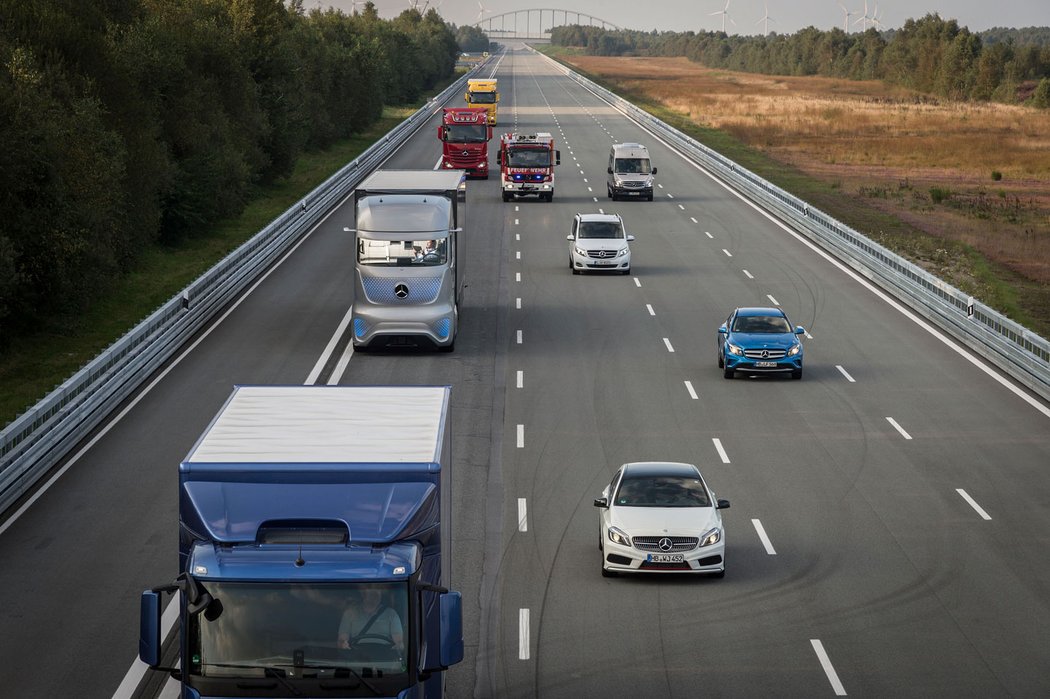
x,y
43,435
1017,350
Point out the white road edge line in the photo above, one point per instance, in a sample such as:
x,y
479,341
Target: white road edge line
x,y
765,539
692,391
829,669
845,373
523,521
973,503
898,428
721,450
523,634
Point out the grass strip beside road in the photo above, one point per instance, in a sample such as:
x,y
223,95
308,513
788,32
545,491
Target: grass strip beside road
x,y
33,366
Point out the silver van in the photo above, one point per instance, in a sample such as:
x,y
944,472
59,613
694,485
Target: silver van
x,y
630,172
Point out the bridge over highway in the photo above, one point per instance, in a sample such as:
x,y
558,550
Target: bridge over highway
x,y
535,24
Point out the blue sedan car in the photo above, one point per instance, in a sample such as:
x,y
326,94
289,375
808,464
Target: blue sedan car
x,y
759,341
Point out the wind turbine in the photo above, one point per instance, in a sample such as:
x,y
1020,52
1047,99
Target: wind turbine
x,y
354,5
481,11
725,14
875,17
845,23
766,19
863,19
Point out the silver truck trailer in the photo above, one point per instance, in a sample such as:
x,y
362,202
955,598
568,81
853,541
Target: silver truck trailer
x,y
408,276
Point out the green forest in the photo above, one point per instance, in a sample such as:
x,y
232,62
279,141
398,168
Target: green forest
x,y
931,55
127,124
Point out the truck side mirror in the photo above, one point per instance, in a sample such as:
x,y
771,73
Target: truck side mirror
x,y
609,171
557,157
441,133
466,96
499,157
451,615
149,628
490,133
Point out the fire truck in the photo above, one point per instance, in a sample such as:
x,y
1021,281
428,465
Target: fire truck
x,y
464,135
527,165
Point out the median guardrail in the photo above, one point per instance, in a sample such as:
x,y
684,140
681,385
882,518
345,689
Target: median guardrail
x,y
1020,352
42,436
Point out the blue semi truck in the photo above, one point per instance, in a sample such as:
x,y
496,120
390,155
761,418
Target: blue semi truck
x,y
314,547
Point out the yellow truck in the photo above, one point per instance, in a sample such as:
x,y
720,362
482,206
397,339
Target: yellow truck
x,y
483,93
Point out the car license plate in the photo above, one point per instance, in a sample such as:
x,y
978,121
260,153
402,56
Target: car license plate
x,y
605,262
765,365
666,558
633,194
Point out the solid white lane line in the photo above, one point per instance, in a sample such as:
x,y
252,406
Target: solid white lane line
x,y
138,668
329,348
341,365
637,282
899,428
845,373
519,337
517,303
765,539
721,450
728,254
521,378
523,522
691,218
748,274
668,343
649,307
521,436
692,391
973,503
829,669
437,164
523,634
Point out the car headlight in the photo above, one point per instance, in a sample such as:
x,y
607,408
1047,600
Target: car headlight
x,y
618,536
579,251
733,349
711,537
623,252
795,349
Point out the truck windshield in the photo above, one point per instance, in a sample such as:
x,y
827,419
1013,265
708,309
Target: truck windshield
x,y
528,157
632,166
466,133
402,253
483,98
301,632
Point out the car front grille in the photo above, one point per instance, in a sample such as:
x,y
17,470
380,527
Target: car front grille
x,y
602,254
765,354
678,543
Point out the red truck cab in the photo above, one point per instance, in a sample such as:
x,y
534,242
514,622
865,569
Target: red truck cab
x,y
464,134
527,165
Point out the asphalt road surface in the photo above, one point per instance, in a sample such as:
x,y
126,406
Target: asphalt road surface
x,y
890,515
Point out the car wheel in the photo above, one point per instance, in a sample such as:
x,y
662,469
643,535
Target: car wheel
x,y
796,374
626,271
650,197
728,373
606,573
720,574
506,197
573,268
721,362
550,196
608,191
450,347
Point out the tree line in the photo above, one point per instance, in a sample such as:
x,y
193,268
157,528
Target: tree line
x,y
931,54
126,124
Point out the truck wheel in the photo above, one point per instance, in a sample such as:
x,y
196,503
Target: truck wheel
x,y
608,191
550,196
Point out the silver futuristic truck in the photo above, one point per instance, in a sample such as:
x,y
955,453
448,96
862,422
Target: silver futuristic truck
x,y
408,279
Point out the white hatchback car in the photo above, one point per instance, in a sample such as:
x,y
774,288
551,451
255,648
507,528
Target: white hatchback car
x,y
599,242
660,517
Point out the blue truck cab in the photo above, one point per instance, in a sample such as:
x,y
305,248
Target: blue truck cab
x,y
314,542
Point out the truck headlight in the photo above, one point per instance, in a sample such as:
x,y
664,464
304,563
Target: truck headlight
x,y
712,536
733,349
618,536
795,349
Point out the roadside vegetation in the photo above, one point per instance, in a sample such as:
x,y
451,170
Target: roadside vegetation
x,y
960,188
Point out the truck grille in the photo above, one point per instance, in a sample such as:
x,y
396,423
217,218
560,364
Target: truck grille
x,y
420,290
678,543
765,354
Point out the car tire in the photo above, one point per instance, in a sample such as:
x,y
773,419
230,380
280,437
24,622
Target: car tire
x,y
606,573
721,362
573,268
796,374
506,197
608,191
450,347
728,373
720,574
650,197
550,197
626,271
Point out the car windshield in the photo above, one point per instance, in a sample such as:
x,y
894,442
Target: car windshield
x,y
466,133
402,253
662,491
600,229
761,324
528,157
632,166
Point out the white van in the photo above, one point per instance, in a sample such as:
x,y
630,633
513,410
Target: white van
x,y
630,172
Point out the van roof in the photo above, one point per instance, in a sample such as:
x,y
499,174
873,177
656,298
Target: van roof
x,y
630,150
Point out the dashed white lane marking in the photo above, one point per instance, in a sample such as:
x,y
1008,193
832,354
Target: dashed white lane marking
x,y
521,436
649,307
589,189
517,303
973,503
668,343
693,219
748,274
517,254
523,634
521,379
728,254
601,211
765,539
670,196
773,300
829,669
708,234
681,207
516,222
637,282
517,237
523,522
517,276
845,373
659,185
519,337
721,450
517,207
585,180
898,428
595,199
692,391
808,336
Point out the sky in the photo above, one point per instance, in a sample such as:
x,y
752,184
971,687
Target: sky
x,y
786,16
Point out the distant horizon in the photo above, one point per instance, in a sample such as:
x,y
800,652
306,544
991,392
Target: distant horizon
x,y
702,15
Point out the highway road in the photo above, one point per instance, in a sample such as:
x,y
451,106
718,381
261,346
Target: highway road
x,y
890,512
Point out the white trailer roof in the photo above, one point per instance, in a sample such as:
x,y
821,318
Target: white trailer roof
x,y
326,424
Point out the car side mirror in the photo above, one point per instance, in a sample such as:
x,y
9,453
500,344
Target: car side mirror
x,y
799,330
630,238
609,171
601,502
570,237
722,330
722,505
654,170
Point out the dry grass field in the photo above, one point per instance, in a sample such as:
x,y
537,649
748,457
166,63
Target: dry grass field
x,y
975,174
